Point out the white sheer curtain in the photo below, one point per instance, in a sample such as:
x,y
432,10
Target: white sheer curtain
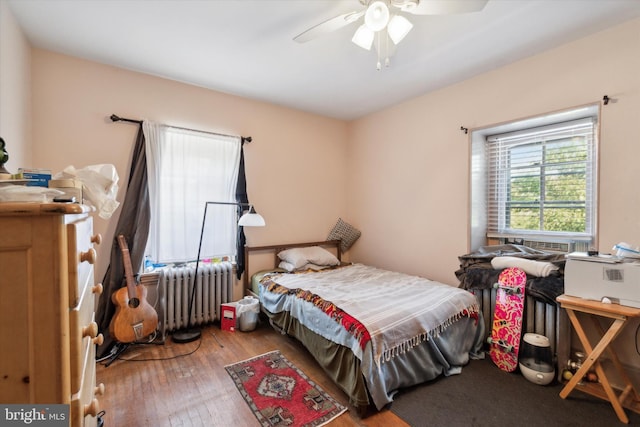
x,y
187,168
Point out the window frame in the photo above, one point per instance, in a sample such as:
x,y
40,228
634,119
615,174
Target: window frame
x,y
482,229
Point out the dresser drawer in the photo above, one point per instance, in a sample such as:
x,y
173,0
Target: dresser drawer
x,y
82,257
83,333
85,404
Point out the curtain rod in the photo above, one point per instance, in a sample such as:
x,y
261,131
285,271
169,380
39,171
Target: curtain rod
x,y
116,118
606,99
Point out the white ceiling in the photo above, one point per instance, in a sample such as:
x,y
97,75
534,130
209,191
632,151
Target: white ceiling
x,y
245,47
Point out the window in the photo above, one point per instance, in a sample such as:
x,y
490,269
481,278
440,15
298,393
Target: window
x,y
186,168
538,182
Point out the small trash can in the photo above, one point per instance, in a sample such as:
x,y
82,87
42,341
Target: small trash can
x,y
247,310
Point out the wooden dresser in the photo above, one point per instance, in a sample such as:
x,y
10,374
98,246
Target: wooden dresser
x,y
47,301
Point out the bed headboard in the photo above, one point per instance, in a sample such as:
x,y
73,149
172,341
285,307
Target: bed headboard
x,y
276,249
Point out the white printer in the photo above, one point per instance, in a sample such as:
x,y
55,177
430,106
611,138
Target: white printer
x,y
596,277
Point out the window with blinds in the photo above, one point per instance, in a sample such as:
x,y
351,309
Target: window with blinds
x,y
542,181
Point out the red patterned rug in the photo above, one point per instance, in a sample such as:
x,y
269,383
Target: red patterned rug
x,y
279,394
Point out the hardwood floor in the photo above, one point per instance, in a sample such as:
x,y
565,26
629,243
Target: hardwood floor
x,y
187,385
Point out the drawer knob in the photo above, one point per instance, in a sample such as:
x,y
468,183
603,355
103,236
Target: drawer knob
x,y
99,390
89,256
97,289
96,238
91,330
92,408
98,340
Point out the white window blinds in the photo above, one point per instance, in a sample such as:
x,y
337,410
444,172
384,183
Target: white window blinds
x,y
541,181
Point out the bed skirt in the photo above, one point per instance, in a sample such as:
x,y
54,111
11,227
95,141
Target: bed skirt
x,y
445,354
338,361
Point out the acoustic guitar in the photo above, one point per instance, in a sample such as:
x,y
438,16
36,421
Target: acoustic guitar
x,y
135,318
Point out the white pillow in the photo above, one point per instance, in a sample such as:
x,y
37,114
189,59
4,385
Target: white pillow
x,y
290,267
299,257
287,266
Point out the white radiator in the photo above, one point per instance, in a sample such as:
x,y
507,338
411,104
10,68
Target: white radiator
x,y
545,319
214,286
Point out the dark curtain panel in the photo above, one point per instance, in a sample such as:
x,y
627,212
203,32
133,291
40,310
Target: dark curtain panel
x,y
134,225
241,197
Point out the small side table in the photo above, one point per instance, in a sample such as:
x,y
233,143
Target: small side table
x,y
628,397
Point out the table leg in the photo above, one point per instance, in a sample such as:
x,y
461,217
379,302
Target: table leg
x,y
592,356
629,388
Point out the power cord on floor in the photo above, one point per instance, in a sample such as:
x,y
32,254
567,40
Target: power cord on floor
x,y
164,358
119,348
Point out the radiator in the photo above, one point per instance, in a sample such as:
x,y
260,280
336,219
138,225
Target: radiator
x,y
545,319
214,286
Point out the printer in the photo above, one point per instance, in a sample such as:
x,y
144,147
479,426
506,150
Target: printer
x,y
596,277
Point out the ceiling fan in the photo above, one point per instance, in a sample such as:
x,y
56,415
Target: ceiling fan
x,y
383,21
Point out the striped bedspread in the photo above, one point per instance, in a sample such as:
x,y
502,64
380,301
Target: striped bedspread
x,y
395,311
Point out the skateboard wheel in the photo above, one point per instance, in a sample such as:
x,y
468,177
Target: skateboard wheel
x,y
489,340
496,285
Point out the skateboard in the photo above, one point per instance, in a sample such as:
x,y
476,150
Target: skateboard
x,y
504,341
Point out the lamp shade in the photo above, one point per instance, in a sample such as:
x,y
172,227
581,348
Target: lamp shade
x,y
363,37
398,28
376,16
251,219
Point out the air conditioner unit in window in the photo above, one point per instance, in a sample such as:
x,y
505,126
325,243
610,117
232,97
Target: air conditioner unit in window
x,y
550,246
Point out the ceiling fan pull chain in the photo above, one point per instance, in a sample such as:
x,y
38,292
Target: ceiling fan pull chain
x,y
379,64
387,61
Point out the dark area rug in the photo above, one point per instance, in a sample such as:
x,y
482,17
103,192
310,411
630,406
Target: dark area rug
x,y
483,395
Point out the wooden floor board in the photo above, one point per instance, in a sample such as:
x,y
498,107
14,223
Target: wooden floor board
x,y
186,385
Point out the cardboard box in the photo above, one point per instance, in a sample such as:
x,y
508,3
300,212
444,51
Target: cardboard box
x,y
228,321
36,177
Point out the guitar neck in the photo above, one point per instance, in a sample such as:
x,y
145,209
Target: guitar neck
x,y
128,269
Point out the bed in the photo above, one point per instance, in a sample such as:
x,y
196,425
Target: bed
x,y
373,331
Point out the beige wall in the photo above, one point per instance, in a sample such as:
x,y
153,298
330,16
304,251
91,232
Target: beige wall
x,y
296,164
15,90
400,175
408,176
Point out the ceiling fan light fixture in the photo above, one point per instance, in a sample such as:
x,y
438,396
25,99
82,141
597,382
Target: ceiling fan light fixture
x,y
398,28
377,16
363,37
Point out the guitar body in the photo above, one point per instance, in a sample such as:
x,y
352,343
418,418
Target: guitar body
x,y
134,318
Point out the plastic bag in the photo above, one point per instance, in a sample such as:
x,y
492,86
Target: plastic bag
x,y
624,250
248,304
99,186
247,310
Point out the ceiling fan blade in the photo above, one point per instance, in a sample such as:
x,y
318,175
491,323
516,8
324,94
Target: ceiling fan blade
x,y
447,7
328,26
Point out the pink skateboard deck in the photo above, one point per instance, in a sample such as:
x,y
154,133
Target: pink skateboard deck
x,y
504,341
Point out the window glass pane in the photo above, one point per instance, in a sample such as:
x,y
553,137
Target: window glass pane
x,y
540,180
